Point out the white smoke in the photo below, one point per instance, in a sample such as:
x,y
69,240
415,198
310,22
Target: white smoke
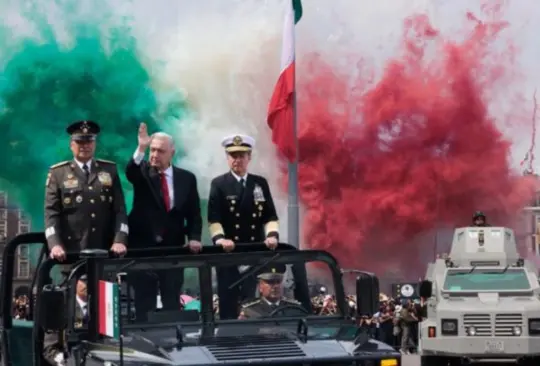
x,y
226,56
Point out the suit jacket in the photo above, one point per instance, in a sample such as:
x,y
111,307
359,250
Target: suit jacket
x,y
81,214
150,222
242,216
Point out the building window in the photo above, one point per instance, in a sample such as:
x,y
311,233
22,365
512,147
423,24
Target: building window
x,y
24,252
3,199
23,269
3,214
3,229
23,229
22,216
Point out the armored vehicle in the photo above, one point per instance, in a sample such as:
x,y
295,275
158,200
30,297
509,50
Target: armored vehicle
x,y
290,334
482,302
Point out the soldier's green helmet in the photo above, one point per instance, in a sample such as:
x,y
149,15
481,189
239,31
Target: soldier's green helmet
x,y
479,214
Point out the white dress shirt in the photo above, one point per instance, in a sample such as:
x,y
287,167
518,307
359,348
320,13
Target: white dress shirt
x,y
83,305
139,157
239,177
88,164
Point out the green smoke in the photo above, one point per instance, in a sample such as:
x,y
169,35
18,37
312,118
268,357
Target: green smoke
x,y
45,84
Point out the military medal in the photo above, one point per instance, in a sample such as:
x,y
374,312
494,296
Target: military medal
x,y
232,209
78,199
70,176
103,198
233,202
105,178
67,201
110,198
260,207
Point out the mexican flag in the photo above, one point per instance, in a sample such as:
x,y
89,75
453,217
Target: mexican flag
x,y
109,317
280,111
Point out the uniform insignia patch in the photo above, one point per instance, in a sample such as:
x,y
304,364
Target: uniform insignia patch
x,y
105,178
71,183
258,194
237,140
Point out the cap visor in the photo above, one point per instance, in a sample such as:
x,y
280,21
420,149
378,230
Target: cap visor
x,y
271,277
83,137
237,149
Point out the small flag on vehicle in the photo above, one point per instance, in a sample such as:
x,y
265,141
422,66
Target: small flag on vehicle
x,y
109,318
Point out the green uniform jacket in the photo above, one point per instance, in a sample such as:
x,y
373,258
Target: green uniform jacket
x,y
83,214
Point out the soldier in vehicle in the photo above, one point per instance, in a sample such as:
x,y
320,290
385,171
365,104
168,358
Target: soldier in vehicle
x,y
479,219
271,297
240,210
84,202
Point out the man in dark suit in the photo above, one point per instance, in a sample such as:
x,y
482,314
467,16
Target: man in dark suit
x,y
166,211
240,210
84,202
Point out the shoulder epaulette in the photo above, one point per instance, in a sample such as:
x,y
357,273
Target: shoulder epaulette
x,y
59,164
105,161
293,301
251,303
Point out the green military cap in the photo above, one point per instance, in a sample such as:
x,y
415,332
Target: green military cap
x,y
83,130
273,272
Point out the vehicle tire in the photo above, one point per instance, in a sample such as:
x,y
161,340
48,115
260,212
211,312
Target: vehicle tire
x,y
530,361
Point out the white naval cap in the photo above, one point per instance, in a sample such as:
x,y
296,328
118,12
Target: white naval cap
x,y
238,142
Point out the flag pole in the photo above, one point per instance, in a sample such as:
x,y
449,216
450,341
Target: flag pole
x,y
293,208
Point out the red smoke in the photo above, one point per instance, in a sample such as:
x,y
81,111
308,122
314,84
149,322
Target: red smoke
x,y
383,165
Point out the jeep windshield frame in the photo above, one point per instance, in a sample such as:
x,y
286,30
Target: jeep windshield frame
x,y
212,257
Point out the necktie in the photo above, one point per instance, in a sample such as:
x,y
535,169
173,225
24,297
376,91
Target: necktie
x,y
165,191
84,309
241,182
86,171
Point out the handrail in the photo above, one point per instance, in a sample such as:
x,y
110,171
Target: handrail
x,y
155,252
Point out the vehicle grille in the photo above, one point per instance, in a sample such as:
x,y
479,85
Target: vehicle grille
x,y
504,324
480,322
240,348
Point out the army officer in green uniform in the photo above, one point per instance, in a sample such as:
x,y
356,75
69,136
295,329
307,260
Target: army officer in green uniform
x,y
240,210
84,202
271,297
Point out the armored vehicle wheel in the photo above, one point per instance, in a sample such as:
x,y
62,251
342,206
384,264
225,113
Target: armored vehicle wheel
x,y
531,361
439,361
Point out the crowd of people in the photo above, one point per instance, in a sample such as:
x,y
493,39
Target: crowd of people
x,y
21,307
396,322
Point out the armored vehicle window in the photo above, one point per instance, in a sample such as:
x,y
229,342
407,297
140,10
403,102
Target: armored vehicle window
x,y
487,280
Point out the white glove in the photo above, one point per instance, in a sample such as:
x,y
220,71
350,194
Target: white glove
x,y
59,359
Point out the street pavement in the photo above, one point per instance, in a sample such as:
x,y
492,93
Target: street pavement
x,y
410,360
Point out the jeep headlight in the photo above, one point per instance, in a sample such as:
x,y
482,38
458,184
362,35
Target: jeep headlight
x,y
471,331
449,326
534,326
516,331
